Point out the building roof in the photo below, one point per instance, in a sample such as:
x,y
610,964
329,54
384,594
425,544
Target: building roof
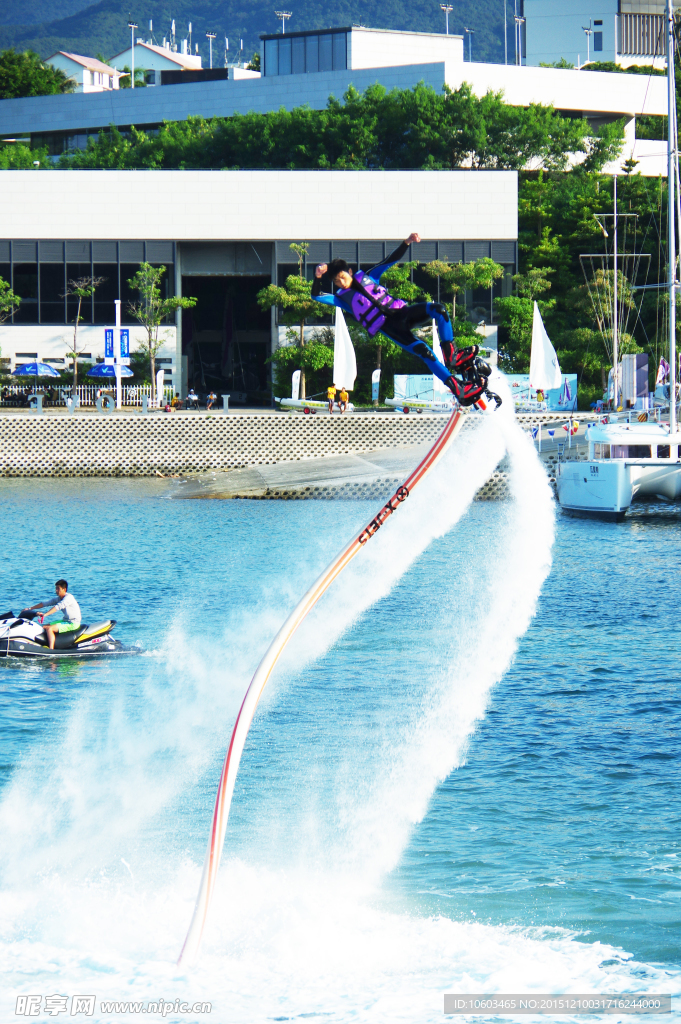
x,y
185,60
88,62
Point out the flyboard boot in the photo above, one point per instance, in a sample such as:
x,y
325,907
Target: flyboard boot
x,y
458,360
470,389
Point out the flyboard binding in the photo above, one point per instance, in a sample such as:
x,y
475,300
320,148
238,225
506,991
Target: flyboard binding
x,y
22,637
262,673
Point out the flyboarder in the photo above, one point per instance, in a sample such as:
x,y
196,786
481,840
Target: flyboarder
x,y
360,294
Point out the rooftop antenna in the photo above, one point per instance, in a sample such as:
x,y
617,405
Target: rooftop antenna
x,y
447,8
210,36
190,37
151,31
284,15
132,26
241,48
172,35
469,32
587,30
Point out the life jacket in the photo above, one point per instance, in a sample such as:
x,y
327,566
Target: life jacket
x,y
366,312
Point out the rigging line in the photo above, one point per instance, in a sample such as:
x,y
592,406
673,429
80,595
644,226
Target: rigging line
x,y
645,95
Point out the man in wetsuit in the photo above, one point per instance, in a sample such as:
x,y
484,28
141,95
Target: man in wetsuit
x,y
361,295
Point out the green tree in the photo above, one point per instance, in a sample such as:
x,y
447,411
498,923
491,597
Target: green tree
x,y
24,74
254,62
125,82
17,156
80,288
456,277
298,305
152,310
9,300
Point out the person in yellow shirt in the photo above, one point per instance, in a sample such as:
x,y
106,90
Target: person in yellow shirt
x,y
343,400
331,394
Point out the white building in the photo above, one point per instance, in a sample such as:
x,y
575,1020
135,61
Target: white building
x,y
305,68
155,59
87,73
223,237
624,31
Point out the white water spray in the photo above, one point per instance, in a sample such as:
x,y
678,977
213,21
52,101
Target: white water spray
x,y
288,939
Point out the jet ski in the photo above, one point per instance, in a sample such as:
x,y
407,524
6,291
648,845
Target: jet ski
x,y
22,637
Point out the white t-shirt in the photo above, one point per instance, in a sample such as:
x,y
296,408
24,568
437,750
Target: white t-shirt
x,y
69,606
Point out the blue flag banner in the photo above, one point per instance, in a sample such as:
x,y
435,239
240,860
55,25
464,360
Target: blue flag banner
x,y
108,343
125,343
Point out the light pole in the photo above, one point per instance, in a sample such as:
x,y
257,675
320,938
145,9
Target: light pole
x,y
519,22
284,15
587,32
505,37
469,32
210,36
447,8
132,26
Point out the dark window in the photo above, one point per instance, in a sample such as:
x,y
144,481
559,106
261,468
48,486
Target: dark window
x,y
298,57
638,451
598,22
74,271
150,77
107,291
271,57
52,288
339,52
325,53
598,41
284,56
663,451
311,53
25,284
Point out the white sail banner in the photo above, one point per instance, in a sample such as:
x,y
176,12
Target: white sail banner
x,y
439,387
544,367
295,385
344,362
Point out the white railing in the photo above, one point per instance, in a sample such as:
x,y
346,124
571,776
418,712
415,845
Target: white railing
x,y
88,393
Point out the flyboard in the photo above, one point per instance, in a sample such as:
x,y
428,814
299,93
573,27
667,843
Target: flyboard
x,y
244,718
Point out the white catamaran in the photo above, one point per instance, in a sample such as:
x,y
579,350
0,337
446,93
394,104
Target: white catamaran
x,y
634,459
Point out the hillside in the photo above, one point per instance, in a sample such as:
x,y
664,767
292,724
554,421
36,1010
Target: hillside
x,y
102,28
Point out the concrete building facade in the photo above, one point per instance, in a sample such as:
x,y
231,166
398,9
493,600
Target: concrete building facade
x,y
223,236
624,31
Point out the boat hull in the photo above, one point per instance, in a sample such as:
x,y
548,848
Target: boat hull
x,y
606,488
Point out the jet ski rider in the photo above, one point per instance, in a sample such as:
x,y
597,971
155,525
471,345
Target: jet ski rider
x,y
67,605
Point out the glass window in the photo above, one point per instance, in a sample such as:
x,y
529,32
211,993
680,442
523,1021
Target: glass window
x,y
52,288
339,52
6,272
284,56
663,451
598,40
311,53
75,271
107,291
298,57
25,284
150,77
325,53
271,57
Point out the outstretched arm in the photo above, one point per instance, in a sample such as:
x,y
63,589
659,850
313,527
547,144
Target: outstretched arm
x,y
394,257
316,293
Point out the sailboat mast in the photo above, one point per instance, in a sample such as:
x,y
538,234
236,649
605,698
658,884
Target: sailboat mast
x,y
615,324
671,210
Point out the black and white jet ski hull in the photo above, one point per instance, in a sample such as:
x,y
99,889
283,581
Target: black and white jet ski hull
x,y
21,637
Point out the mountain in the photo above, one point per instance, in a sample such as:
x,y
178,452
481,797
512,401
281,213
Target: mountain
x,y
102,27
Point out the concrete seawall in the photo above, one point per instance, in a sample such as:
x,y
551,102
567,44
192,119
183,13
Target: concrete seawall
x,y
90,446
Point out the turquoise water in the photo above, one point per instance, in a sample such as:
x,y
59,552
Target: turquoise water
x,y
463,778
